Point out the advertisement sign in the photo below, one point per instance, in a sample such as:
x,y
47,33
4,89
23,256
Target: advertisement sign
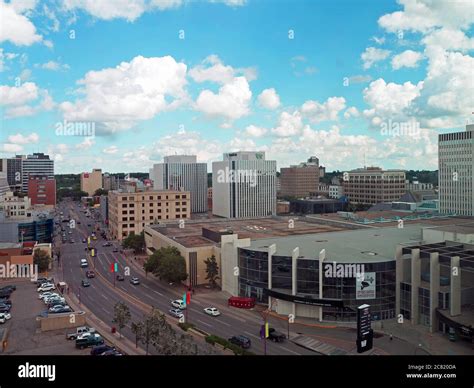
x,y
365,334
365,285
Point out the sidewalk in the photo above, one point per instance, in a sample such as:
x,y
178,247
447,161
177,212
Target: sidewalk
x,y
122,344
432,343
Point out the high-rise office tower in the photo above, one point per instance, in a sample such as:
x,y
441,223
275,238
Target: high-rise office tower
x,y
244,185
182,172
36,164
12,167
456,172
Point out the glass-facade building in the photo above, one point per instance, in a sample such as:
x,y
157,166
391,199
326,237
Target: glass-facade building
x,y
253,282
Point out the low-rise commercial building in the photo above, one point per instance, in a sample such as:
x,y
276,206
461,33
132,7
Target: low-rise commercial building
x,y
130,211
371,185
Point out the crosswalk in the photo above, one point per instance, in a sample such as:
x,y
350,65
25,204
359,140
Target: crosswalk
x,y
318,346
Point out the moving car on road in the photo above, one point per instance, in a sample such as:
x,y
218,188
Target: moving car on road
x,y
212,311
176,313
120,278
85,283
135,281
90,274
275,336
84,263
241,341
178,303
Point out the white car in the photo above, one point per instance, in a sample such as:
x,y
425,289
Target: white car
x,y
58,299
4,317
46,287
212,311
178,303
47,294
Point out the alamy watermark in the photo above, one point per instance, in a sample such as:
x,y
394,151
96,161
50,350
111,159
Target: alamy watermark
x,y
334,270
400,128
9,270
237,176
75,128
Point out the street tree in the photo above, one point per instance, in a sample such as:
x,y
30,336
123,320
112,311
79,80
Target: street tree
x,y
171,265
42,260
135,242
212,270
151,265
121,315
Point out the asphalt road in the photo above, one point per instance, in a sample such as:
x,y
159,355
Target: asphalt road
x,y
101,297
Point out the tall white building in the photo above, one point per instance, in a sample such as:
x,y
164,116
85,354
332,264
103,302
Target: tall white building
x,y
456,172
36,164
244,186
182,172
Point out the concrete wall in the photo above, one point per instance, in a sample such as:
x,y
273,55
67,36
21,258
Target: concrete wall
x,y
436,235
63,321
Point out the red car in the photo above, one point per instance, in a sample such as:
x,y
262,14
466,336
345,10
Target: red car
x,y
90,274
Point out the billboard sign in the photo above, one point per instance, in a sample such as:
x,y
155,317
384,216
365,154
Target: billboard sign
x,y
365,285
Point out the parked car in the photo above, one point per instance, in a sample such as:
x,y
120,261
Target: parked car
x,y
79,331
176,313
46,294
135,281
212,311
85,283
107,244
178,303
9,287
91,340
98,350
241,341
6,301
120,278
59,309
40,281
111,352
90,274
5,308
4,317
46,287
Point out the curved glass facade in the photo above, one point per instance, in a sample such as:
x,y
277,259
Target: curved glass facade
x,y
253,274
253,280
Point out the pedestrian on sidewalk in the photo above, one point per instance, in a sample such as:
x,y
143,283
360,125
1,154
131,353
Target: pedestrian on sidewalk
x,y
391,337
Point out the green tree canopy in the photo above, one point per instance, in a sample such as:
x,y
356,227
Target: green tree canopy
x,y
121,315
135,242
168,264
212,270
42,260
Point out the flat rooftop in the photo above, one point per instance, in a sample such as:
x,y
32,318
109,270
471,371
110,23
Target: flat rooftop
x,y
191,234
10,245
361,245
463,228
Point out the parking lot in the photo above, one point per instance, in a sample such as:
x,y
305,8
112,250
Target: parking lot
x,y
23,330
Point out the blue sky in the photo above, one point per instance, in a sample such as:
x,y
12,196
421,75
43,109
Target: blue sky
x,y
346,81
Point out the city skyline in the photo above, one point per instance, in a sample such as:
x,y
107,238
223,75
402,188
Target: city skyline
x,y
307,79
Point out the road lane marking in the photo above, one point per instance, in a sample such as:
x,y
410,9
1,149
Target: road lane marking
x,y
105,297
289,350
224,323
204,323
197,311
252,335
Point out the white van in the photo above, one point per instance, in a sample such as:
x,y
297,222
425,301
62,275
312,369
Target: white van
x,y
84,263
